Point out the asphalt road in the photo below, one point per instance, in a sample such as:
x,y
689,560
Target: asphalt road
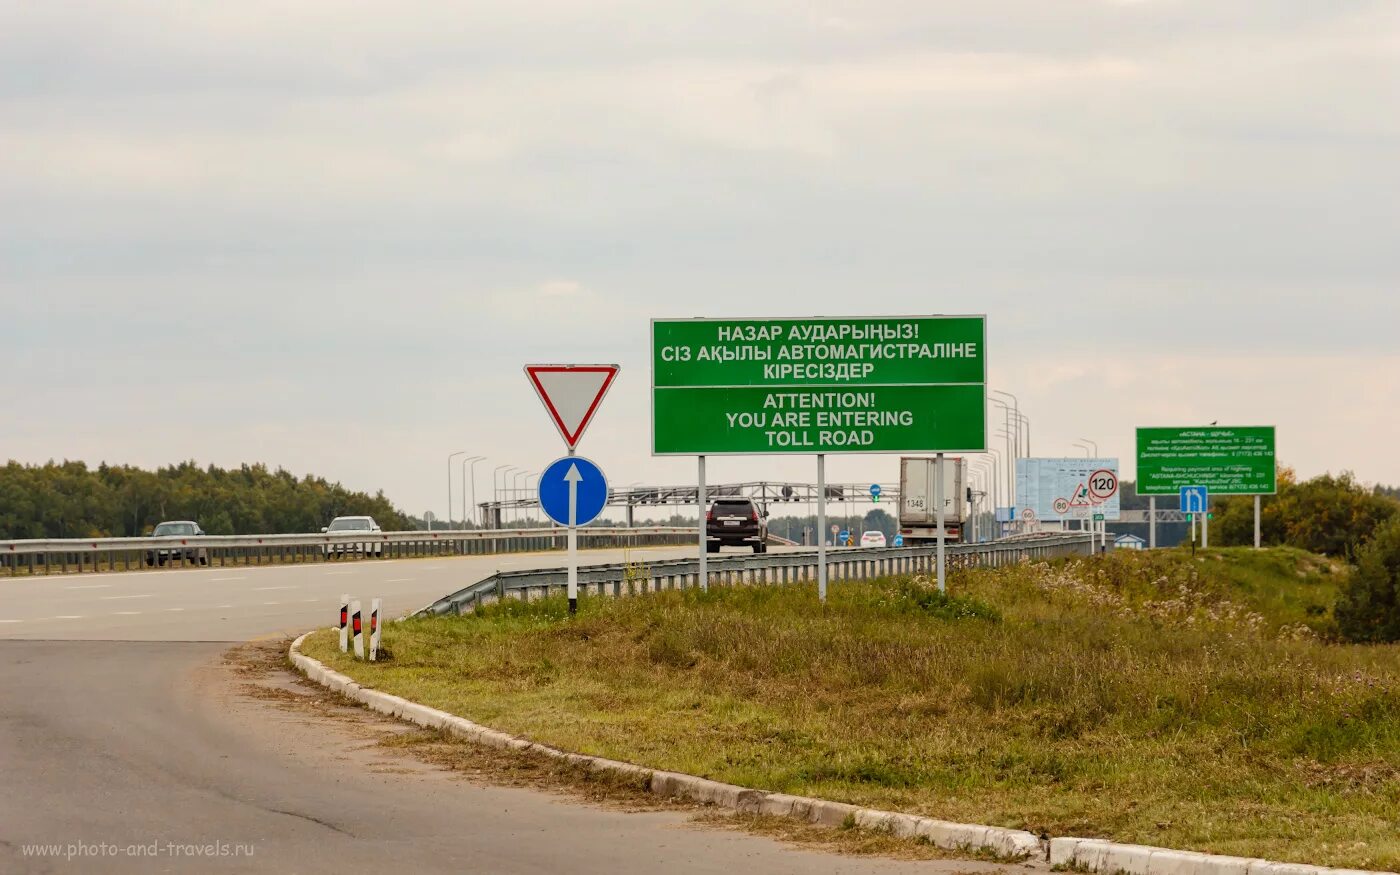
x,y
127,745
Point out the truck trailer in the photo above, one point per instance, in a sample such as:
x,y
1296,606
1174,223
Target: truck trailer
x,y
918,513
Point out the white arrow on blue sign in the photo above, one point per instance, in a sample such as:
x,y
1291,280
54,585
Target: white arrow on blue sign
x,y
1194,499
875,490
573,491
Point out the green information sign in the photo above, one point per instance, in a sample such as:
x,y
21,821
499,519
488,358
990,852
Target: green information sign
x,y
1225,460
758,386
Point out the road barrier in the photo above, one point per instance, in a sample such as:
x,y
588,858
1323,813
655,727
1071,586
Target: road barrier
x,y
70,555
763,568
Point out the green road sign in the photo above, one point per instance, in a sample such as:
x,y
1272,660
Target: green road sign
x,y
1098,517
1225,460
758,386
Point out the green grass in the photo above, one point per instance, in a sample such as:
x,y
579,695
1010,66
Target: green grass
x,y
1143,697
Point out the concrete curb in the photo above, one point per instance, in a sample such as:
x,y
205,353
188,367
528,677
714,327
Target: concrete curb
x,y
1093,855
1096,855
1010,843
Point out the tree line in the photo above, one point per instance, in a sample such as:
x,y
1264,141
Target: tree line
x,y
71,500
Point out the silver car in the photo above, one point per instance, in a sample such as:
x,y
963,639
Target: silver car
x,y
177,531
347,524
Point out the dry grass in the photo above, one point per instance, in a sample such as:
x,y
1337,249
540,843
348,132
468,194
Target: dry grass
x,y
1143,697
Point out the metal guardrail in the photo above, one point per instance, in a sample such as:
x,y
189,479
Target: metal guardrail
x,y
763,568
116,554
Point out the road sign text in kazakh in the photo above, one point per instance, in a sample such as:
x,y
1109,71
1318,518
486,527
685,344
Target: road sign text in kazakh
x,y
1227,460
848,385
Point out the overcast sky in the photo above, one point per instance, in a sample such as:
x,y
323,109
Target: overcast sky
x,y
327,235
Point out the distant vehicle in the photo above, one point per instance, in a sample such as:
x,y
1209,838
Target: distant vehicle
x,y
918,510
176,529
347,524
736,522
872,539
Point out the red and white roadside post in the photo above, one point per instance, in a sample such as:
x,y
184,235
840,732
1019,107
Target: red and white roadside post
x,y
344,622
357,629
374,630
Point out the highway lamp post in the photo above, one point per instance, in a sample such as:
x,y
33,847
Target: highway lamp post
x,y
516,491
997,490
468,460
496,493
1013,421
1022,419
1010,459
450,457
1011,491
532,490
476,512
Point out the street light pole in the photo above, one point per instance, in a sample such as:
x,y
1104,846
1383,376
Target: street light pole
x,y
475,513
496,493
473,460
449,487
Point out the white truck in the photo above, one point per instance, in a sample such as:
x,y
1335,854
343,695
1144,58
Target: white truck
x,y
918,514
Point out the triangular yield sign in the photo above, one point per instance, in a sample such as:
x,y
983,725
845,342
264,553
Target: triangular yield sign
x,y
571,394
1081,497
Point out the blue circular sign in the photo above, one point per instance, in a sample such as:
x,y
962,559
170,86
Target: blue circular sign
x,y
899,540
573,491
875,489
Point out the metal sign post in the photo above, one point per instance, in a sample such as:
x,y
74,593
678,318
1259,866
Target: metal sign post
x,y
572,490
704,527
940,501
1257,539
821,527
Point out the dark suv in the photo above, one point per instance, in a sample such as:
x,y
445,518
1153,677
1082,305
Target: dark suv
x,y
736,522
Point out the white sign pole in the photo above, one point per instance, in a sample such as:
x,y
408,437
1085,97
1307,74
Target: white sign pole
x,y
1193,528
572,477
704,526
821,527
1205,525
1257,540
939,491
1152,522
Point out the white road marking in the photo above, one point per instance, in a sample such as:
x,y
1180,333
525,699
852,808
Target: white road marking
x,y
225,606
113,598
398,580
90,586
264,588
11,621
127,613
333,573
212,579
68,617
272,603
174,609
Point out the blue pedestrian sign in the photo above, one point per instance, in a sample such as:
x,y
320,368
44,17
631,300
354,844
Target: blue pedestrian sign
x,y
843,538
899,540
875,491
573,491
1194,499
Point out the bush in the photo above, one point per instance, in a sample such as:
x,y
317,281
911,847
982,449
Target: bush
x,y
1330,514
1369,609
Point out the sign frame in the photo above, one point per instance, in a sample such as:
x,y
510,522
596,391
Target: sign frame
x,y
814,450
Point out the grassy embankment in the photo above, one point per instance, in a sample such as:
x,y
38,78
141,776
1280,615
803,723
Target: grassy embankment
x,y
1142,697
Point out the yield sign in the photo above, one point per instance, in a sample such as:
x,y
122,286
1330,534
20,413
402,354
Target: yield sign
x,y
571,394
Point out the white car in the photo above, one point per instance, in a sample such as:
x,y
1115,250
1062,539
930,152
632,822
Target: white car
x,y
344,525
872,539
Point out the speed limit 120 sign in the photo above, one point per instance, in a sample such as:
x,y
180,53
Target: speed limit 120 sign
x,y
1103,485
